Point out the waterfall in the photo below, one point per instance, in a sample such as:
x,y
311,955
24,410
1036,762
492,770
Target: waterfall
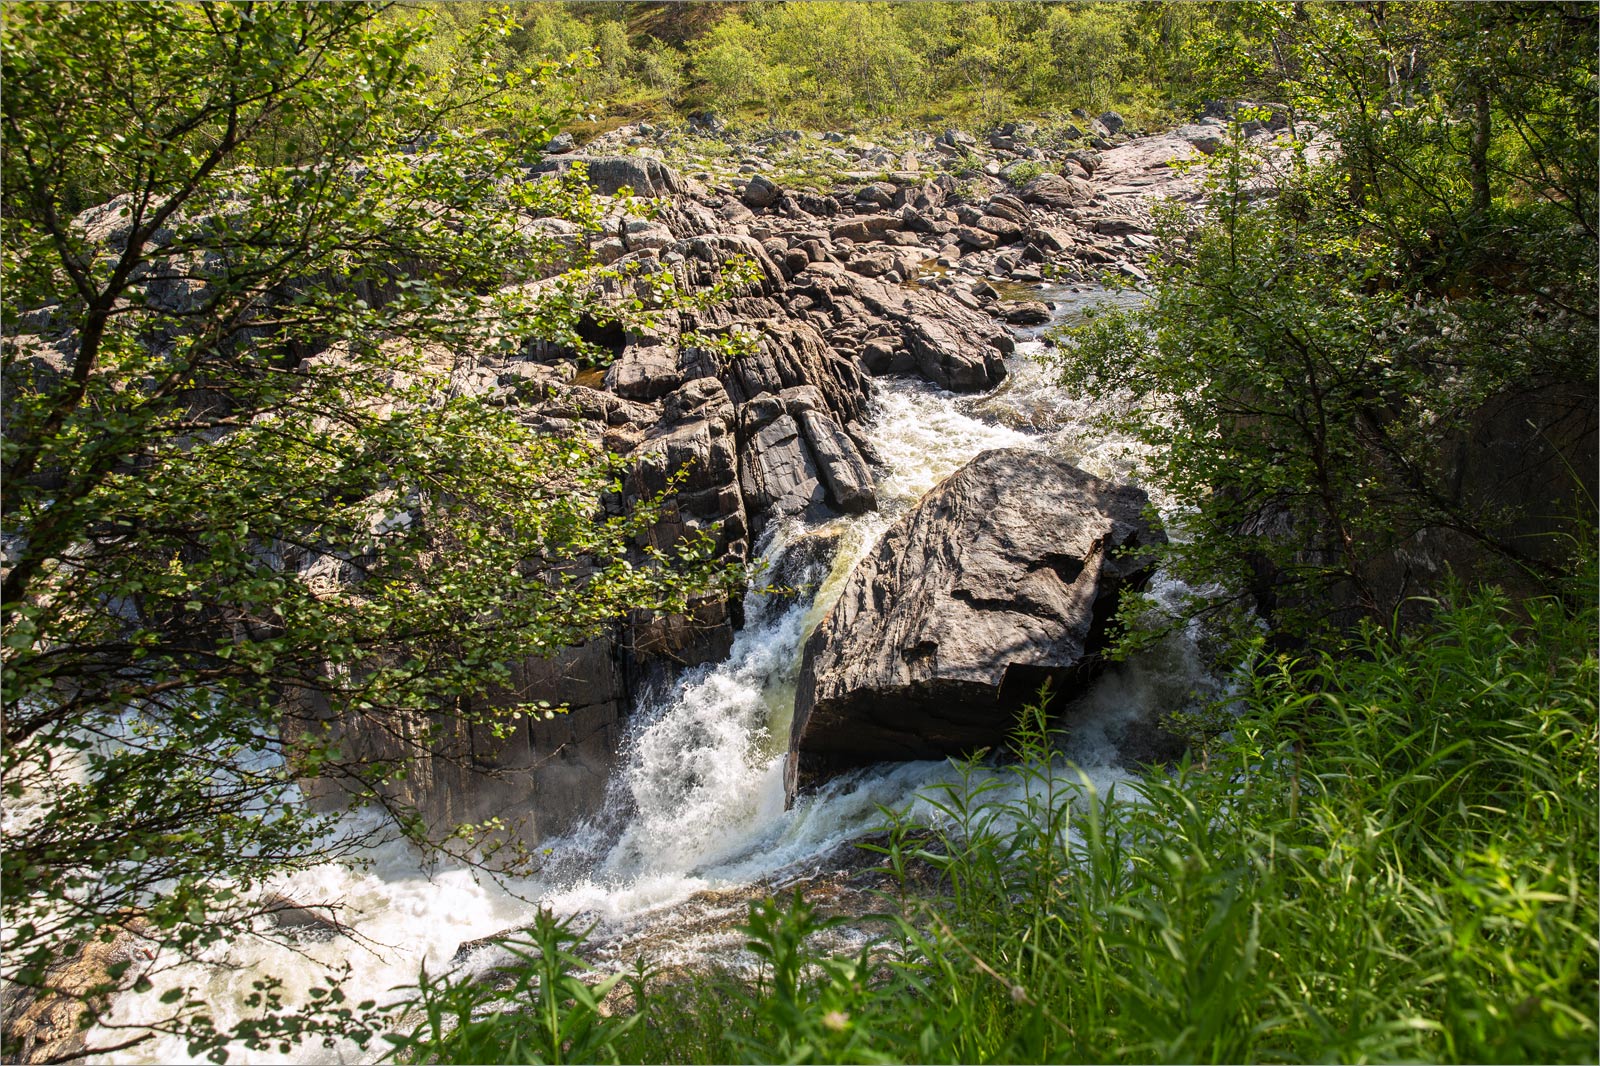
x,y
701,778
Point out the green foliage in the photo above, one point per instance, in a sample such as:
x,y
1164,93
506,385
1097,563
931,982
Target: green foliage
x,y
1088,57
542,1012
242,502
731,63
844,58
831,63
1318,341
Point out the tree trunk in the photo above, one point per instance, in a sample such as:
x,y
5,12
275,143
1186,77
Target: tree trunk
x,y
1478,150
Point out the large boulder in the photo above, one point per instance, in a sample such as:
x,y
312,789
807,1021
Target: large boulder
x,y
954,347
1205,136
1055,190
796,459
760,192
1005,576
607,174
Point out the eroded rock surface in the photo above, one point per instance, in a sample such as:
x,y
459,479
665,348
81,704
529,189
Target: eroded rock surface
x,y
1004,576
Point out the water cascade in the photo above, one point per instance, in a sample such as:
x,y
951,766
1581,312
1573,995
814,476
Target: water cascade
x,y
698,802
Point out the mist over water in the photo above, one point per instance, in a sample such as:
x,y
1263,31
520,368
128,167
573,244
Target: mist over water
x,y
698,798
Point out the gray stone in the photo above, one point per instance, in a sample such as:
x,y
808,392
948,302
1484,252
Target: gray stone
x,y
844,471
642,234
1006,575
1027,312
1205,138
1089,161
760,192
607,174
878,194
1117,226
777,473
871,264
645,373
1055,190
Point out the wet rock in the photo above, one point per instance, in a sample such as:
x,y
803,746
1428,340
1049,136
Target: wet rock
x,y
778,474
1006,575
844,471
803,564
977,239
954,347
1027,312
42,1024
877,354
314,921
1005,230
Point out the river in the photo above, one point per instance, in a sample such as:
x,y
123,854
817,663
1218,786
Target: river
x,y
698,801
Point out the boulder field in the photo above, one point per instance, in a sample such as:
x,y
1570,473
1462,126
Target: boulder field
x,y
888,276
755,403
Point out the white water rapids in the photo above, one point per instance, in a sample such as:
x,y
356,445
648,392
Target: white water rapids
x,y
701,776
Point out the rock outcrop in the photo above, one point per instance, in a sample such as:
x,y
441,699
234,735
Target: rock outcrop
x,y
42,1023
1005,576
837,289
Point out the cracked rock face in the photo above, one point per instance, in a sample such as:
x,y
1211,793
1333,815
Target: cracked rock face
x,y
1005,575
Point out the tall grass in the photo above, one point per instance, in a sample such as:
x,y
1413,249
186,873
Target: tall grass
x,y
1392,857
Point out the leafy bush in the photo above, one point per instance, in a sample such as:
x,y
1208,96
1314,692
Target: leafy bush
x,y
544,1012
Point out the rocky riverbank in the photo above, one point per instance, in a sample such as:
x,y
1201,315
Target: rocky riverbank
x,y
917,270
